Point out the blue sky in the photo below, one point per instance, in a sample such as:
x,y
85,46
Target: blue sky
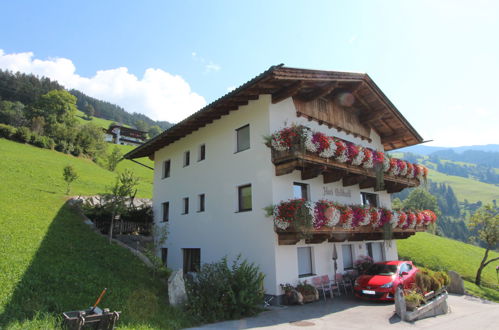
x,y
436,60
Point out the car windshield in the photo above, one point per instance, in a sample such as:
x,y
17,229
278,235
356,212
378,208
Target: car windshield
x,y
382,269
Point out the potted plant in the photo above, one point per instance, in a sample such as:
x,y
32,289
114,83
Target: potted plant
x,y
308,291
412,299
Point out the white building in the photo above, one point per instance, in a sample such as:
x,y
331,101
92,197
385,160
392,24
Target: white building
x,y
118,134
214,175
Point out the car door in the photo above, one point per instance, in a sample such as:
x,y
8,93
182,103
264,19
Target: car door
x,y
405,279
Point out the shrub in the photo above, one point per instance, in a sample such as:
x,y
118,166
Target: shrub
x,y
22,134
413,299
7,131
305,289
220,292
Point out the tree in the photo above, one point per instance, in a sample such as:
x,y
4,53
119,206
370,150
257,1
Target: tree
x,y
123,189
114,158
154,130
56,106
38,125
89,111
141,125
12,113
420,199
69,175
484,224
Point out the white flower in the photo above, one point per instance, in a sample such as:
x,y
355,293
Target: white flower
x,y
357,160
281,224
421,172
330,151
369,162
395,219
410,172
277,142
348,223
386,164
309,145
404,171
334,217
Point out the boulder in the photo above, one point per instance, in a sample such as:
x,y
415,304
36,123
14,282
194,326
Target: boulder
x,y
177,295
456,283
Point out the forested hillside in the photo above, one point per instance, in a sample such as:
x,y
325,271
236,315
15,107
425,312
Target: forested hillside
x,y
19,90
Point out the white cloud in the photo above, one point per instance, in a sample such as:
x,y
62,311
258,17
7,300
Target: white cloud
x,y
209,66
158,94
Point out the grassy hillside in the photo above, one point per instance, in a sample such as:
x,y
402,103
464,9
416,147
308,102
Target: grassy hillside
x,y
440,253
466,188
104,123
51,262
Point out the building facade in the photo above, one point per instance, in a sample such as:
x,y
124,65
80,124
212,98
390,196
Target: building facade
x,y
215,176
118,134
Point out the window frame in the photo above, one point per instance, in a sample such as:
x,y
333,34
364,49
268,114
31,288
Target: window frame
x,y
167,173
166,215
237,138
187,158
351,254
240,199
201,203
202,152
185,258
364,198
303,186
310,255
185,205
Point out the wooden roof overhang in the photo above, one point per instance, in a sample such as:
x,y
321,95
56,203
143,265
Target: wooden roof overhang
x,y
374,108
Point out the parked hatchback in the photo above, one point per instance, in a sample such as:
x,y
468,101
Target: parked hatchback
x,y
381,280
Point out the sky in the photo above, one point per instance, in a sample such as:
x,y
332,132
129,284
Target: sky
x,y
437,61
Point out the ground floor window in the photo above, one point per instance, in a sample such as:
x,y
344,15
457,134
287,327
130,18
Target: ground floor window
x,y
347,254
375,251
192,260
164,256
304,261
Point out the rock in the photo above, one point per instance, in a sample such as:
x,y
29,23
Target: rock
x,y
176,288
400,307
456,283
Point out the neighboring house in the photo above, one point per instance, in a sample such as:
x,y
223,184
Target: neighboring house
x,y
214,175
125,135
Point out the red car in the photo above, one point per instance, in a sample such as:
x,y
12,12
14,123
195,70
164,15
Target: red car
x,y
381,280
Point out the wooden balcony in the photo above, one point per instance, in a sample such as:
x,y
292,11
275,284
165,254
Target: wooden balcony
x,y
311,166
339,234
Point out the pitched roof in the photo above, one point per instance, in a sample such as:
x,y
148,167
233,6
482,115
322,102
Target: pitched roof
x,y
281,82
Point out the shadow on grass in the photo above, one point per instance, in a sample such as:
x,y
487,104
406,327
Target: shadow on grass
x,y
71,267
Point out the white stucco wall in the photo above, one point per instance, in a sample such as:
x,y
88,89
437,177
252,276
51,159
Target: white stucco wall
x,y
283,114
220,230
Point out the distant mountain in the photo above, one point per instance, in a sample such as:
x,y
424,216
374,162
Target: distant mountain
x,y
427,150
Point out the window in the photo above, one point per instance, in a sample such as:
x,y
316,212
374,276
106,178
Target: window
x,y
187,158
192,260
166,169
202,152
201,203
243,138
164,255
244,194
300,190
185,209
304,261
166,211
375,251
369,199
346,251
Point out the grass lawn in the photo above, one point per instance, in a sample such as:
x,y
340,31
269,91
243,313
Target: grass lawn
x,y
440,253
51,262
104,123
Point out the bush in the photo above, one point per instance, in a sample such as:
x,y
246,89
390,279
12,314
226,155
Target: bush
x,y
22,134
220,292
7,131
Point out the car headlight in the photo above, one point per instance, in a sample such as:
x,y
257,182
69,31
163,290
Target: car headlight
x,y
387,285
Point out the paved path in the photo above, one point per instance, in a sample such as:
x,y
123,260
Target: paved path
x,y
349,313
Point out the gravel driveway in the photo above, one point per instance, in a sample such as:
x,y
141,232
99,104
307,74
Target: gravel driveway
x,y
350,313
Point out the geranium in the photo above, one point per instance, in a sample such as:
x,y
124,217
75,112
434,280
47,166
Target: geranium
x,y
410,171
326,214
286,212
402,220
402,167
359,158
375,215
352,151
386,164
386,216
394,220
379,158
420,172
330,151
368,161
283,140
419,218
411,219
433,216
394,167
346,217
321,141
358,216
341,151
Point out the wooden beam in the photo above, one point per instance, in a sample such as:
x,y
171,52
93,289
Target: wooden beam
x,y
288,238
312,171
371,116
320,92
286,92
317,238
352,179
367,183
286,168
333,176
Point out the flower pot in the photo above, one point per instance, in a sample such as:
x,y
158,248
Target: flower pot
x,y
411,305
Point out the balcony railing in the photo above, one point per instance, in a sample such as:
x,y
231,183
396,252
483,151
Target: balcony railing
x,y
314,154
316,222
